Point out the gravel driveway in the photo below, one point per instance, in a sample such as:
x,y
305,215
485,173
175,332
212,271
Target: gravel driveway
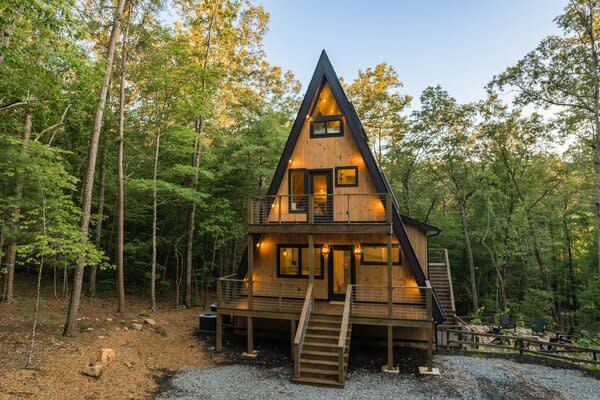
x,y
463,377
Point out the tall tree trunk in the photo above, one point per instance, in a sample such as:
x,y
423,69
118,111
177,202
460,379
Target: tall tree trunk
x,y
154,222
11,256
100,217
120,176
192,218
469,251
71,322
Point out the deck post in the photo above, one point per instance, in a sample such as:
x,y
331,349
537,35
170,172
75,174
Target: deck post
x,y
389,275
311,251
430,349
219,333
292,337
250,275
388,208
390,348
250,331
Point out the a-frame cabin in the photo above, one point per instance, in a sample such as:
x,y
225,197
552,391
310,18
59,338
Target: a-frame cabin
x,y
328,250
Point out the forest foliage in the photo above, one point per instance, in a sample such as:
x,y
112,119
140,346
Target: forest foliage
x,y
513,180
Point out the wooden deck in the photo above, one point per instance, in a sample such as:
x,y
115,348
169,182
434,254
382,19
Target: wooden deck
x,y
289,308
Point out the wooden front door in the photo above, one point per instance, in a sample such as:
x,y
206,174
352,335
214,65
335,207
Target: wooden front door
x,y
341,271
320,186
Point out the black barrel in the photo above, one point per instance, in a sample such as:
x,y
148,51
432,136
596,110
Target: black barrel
x,y
207,322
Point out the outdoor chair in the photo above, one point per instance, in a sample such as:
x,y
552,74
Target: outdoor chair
x,y
539,328
506,322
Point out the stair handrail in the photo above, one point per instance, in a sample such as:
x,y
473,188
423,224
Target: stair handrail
x,y
344,334
302,327
447,262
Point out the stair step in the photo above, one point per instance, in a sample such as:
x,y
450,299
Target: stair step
x,y
318,381
322,337
319,371
316,361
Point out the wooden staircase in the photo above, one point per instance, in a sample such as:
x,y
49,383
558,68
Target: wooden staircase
x,y
322,343
319,360
441,281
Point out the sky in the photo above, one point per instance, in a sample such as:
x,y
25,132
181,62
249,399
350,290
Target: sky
x,y
458,44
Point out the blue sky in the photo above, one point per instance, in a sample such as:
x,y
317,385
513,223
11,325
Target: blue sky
x,y
457,44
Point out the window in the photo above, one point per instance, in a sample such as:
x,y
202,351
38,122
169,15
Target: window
x,y
297,190
292,261
327,126
346,176
376,254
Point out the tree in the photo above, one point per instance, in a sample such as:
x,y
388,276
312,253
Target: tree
x,y
379,104
563,72
71,322
451,156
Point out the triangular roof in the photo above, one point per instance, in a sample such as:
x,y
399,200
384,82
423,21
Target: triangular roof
x,y
325,72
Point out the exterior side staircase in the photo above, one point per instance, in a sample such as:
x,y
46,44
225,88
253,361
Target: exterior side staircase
x,y
440,277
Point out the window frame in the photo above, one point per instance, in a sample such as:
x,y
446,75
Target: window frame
x,y
299,274
326,119
376,263
337,169
303,207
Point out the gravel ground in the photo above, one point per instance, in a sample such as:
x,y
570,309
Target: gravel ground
x,y
462,377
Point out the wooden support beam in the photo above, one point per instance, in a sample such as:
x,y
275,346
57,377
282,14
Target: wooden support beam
x,y
390,348
311,251
389,274
430,349
292,336
250,335
250,275
219,333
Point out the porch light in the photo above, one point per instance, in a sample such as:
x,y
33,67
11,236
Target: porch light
x,y
358,250
284,253
325,249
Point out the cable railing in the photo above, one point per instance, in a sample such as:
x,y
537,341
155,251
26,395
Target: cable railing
x,y
406,302
244,294
320,208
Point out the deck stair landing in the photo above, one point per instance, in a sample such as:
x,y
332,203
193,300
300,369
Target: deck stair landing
x,y
319,359
441,281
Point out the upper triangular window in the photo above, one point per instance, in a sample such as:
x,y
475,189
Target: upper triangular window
x,y
326,106
326,117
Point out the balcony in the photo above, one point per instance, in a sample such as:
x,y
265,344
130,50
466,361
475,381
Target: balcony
x,y
321,213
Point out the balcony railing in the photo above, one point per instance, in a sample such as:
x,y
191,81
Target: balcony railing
x,y
320,208
405,302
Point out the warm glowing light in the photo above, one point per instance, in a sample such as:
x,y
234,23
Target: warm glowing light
x,y
358,250
325,249
285,253
257,245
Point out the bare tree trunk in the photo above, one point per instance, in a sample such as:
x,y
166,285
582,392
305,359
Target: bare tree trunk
x,y
154,222
192,218
100,217
469,251
39,284
71,322
11,256
121,179
2,294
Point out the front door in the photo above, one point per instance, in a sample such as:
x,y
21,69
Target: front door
x,y
341,271
320,186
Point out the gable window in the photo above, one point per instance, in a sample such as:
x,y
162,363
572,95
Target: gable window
x,y
327,126
292,261
346,176
297,190
376,254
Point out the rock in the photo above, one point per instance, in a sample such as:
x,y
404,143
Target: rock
x,y
149,321
94,370
105,356
137,327
125,328
108,319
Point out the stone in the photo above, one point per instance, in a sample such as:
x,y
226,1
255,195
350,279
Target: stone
x,y
149,321
425,371
137,327
109,319
94,370
105,356
125,328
